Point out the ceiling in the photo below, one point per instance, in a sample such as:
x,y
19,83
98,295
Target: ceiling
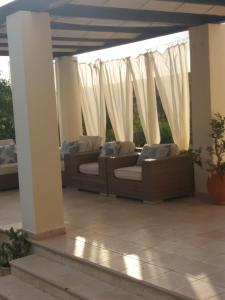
x,y
80,26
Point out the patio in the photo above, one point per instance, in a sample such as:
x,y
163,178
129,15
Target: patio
x,y
178,245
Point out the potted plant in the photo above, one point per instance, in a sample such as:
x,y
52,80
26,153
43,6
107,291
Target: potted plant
x,y
216,164
16,246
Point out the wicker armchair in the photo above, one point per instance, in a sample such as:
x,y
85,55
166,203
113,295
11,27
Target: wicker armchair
x,y
158,179
88,171
90,182
87,145
8,172
9,181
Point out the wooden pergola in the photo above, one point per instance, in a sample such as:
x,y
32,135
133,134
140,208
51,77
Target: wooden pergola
x,y
80,26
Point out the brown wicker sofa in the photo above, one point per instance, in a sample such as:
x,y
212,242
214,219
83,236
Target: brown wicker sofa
x,y
88,171
154,180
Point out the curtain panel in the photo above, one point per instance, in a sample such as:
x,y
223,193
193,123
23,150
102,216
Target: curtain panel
x,y
92,99
119,98
171,75
68,99
144,88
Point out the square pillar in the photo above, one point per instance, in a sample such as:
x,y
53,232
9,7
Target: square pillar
x,y
207,44
37,140
68,98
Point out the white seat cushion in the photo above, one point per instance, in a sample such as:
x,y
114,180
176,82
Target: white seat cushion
x,y
130,173
8,169
90,168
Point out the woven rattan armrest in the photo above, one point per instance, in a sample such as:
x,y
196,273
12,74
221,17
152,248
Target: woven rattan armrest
x,y
172,173
121,161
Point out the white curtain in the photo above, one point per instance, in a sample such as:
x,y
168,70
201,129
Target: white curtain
x,y
68,99
144,88
171,75
92,99
119,98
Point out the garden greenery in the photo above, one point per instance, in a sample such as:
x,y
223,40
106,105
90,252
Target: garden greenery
x,y
17,246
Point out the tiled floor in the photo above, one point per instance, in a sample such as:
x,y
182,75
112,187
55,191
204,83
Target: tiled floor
x,y
178,245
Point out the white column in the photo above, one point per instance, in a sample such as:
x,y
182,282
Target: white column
x,y
207,85
68,98
36,123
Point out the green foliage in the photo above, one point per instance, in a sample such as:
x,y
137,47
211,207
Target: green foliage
x,y
110,136
165,132
7,129
18,246
195,154
139,137
216,151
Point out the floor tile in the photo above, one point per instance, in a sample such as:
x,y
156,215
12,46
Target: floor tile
x,y
167,244
172,280
144,271
200,290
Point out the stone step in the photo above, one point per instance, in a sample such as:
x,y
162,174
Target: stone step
x,y
12,288
134,286
65,282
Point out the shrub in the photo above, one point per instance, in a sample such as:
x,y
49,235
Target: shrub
x,y
7,129
165,132
18,246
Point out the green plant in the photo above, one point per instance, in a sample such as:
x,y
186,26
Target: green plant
x,y
216,151
7,129
17,246
195,154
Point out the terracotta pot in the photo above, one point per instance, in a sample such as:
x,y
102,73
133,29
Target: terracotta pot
x,y
4,271
216,187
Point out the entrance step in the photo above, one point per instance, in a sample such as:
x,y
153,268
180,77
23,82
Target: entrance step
x,y
104,274
65,282
12,288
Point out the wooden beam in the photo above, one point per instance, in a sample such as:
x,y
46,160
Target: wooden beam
x,y
4,53
58,54
75,47
209,2
99,12
30,5
122,29
82,39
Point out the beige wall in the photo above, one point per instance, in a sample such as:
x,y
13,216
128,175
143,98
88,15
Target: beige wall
x,y
207,45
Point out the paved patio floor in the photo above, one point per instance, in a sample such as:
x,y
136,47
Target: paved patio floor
x,y
178,245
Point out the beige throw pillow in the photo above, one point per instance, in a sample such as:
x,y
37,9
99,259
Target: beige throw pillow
x,y
126,147
94,141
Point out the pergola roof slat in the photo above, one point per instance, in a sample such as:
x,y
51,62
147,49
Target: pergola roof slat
x,y
71,10
210,2
66,26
